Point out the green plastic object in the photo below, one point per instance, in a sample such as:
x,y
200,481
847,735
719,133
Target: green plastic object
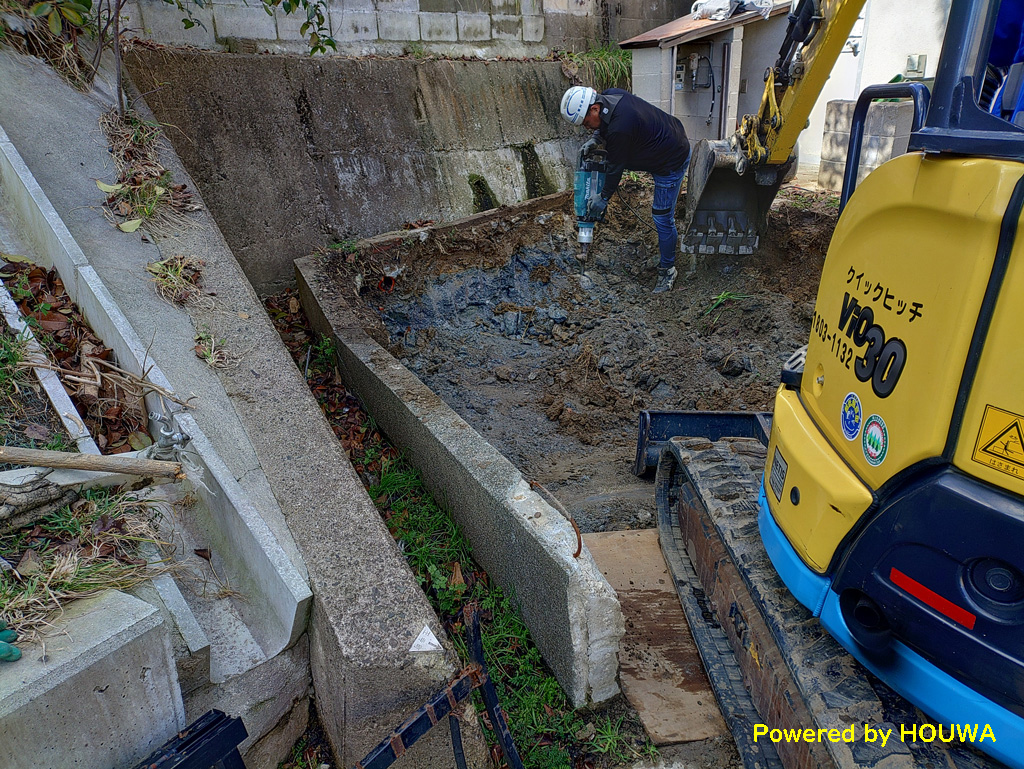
x,y
8,652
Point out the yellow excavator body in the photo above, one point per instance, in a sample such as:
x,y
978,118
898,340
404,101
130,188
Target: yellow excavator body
x,y
897,306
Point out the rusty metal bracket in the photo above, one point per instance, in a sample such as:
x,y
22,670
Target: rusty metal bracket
x,y
443,703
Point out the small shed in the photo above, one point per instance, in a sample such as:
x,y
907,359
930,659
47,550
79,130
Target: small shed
x,y
708,73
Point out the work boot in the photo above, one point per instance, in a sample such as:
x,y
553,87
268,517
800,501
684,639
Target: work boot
x,y
666,278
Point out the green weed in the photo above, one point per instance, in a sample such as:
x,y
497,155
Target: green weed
x,y
324,353
345,246
605,66
722,298
213,349
13,376
416,49
178,279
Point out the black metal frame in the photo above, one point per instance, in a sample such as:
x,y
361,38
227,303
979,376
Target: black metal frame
x,y
209,742
473,676
915,91
955,122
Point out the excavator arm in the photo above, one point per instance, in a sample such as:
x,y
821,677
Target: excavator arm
x,y
732,183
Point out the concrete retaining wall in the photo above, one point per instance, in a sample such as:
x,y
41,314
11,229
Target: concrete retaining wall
x,y
292,152
522,542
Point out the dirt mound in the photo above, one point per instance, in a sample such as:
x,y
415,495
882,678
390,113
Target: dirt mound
x,y
551,358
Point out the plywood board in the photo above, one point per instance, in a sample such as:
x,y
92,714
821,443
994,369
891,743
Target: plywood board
x,y
659,667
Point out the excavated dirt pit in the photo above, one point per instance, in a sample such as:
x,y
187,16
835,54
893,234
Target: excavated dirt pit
x,y
551,358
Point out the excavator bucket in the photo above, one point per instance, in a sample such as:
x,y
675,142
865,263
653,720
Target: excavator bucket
x,y
727,201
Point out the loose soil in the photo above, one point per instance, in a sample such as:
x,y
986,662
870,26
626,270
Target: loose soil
x,y
552,358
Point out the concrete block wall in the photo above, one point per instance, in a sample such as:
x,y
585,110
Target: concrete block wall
x,y
886,135
458,27
515,28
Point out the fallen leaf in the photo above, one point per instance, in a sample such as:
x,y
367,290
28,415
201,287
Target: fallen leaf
x,y
105,550
108,188
29,564
102,524
243,315
139,441
37,432
203,553
69,546
15,258
293,305
130,226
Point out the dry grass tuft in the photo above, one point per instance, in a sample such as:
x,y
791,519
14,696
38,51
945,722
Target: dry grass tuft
x,y
144,195
94,544
179,280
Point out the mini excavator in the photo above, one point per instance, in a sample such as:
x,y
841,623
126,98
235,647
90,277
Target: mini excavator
x,y
888,505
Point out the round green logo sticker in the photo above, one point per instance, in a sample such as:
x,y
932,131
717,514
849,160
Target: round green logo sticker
x,y
875,440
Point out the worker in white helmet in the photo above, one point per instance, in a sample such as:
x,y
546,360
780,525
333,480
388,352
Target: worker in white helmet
x,y
640,137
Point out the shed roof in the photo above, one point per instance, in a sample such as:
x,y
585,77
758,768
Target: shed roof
x,y
686,29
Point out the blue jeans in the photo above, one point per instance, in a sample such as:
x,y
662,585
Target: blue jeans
x,y
663,209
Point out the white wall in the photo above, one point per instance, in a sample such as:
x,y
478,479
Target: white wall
x,y
888,33
761,44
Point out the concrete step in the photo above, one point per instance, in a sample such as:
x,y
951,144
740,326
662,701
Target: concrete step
x,y
212,595
109,657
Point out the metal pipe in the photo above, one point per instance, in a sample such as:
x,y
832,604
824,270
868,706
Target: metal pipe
x,y
723,110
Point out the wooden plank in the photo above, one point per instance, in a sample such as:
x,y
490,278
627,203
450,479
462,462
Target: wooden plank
x,y
112,463
659,666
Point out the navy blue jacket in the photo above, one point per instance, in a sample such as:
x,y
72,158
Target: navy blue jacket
x,y
639,136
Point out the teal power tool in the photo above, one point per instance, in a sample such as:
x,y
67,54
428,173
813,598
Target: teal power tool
x,y
590,175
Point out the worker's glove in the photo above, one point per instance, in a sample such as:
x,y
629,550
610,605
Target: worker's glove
x,y
595,212
8,653
589,146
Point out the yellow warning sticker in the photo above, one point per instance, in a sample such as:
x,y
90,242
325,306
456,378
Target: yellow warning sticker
x,y
1000,443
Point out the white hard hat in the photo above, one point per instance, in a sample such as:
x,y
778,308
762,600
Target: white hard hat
x,y
575,103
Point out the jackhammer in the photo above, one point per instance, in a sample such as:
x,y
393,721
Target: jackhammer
x,y
591,170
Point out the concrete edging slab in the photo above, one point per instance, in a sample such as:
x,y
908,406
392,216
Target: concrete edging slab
x,y
525,544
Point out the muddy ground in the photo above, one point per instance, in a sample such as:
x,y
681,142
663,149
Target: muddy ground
x,y
552,358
